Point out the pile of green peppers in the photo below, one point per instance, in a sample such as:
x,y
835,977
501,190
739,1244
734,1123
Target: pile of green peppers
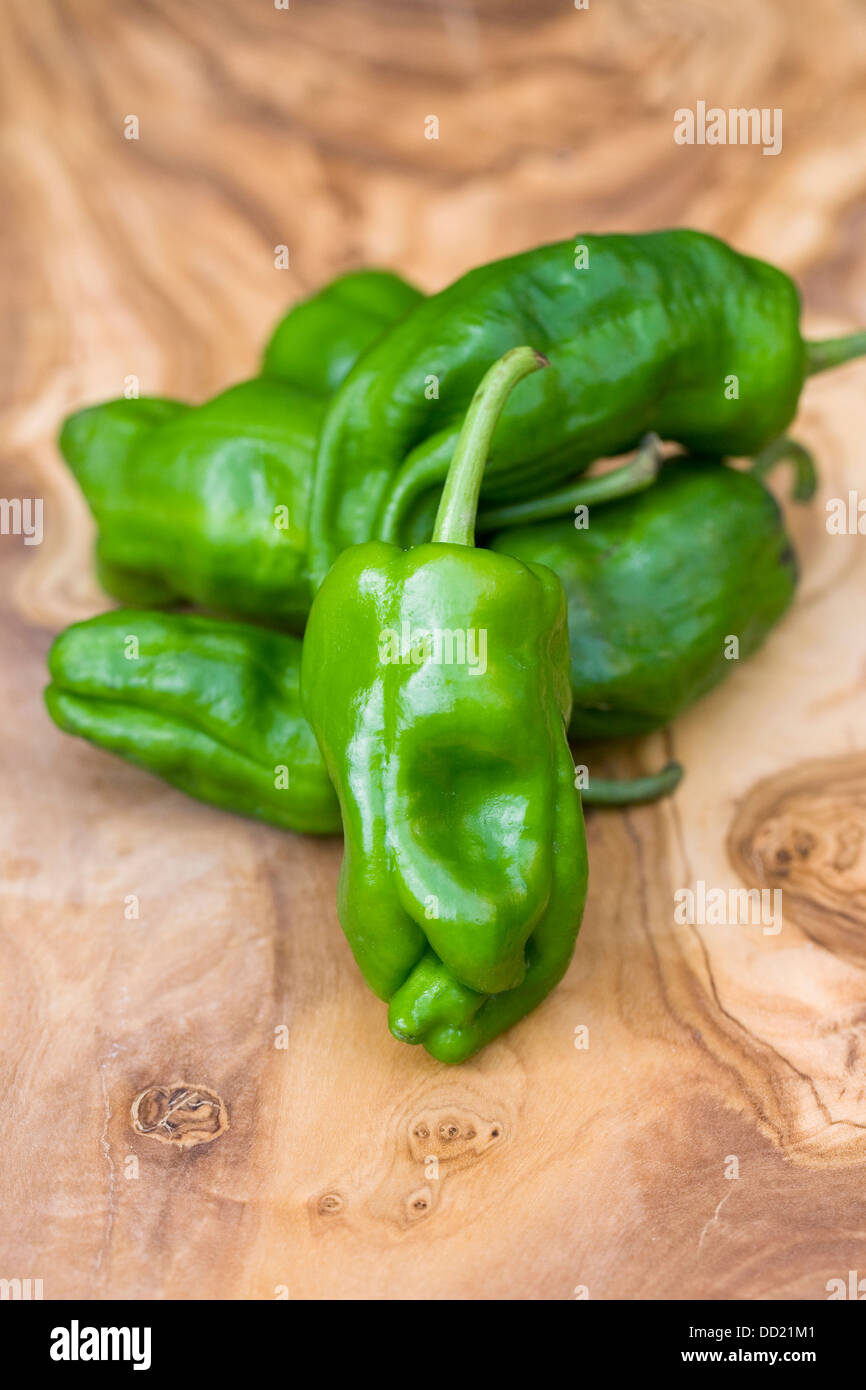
x,y
341,490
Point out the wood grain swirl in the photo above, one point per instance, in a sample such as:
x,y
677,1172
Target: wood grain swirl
x,y
804,831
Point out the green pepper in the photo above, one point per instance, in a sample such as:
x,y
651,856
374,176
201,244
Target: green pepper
x,y
209,503
316,344
668,331
625,329
97,444
246,678
437,685
213,708
212,504
657,585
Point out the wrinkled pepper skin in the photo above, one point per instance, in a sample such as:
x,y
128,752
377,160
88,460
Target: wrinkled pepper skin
x,y
464,870
656,584
646,336
440,798
651,331
654,587
209,503
213,708
97,444
246,680
457,791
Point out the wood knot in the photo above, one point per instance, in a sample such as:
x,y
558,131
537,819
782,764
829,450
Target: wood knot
x,y
804,831
330,1203
179,1114
327,1210
452,1134
419,1204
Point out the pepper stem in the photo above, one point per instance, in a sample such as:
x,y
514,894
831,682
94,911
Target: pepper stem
x,y
636,476
832,352
455,519
789,451
615,791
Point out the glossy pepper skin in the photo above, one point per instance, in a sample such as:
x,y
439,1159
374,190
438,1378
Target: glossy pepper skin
x,y
213,708
668,331
464,868
209,503
655,586
628,367
97,444
316,344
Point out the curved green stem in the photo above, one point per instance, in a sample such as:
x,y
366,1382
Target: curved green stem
x,y
833,352
631,477
789,451
613,791
455,519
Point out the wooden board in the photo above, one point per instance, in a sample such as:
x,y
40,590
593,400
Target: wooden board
x,y
713,1050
